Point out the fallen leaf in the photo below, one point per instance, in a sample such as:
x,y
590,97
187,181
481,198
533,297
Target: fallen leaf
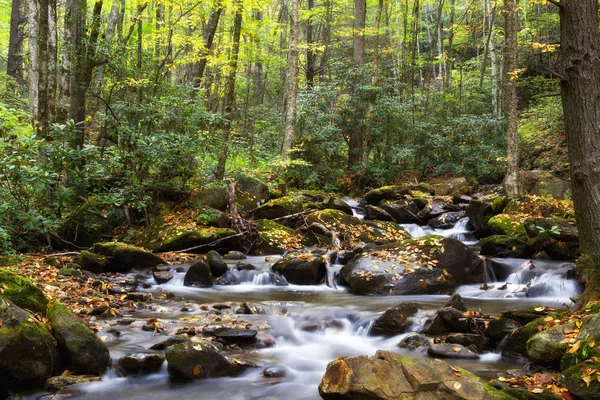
x,y
574,348
197,369
587,380
540,309
537,390
458,385
457,372
592,341
456,349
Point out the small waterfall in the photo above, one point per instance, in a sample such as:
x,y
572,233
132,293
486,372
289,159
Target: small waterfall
x,y
417,231
418,321
364,330
356,210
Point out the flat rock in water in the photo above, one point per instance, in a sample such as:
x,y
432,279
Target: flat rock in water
x,y
60,382
235,335
138,361
416,341
190,361
449,350
234,255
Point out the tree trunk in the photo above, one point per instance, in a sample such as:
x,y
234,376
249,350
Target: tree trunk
x,y
42,47
64,86
52,59
511,181
450,51
78,60
230,90
580,59
310,51
209,37
360,15
14,66
140,44
290,94
32,76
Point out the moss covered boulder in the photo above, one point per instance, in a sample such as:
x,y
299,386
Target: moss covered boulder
x,y
281,207
555,249
429,265
507,224
275,238
82,351
123,257
505,246
334,220
212,196
573,380
208,216
516,343
168,233
94,219
28,353
190,361
250,192
22,292
453,186
380,232
544,183
92,262
559,228
389,376
547,347
376,196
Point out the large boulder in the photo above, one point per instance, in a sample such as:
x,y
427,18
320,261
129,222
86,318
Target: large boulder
x,y
376,196
403,211
28,354
334,220
94,219
544,183
479,213
274,238
456,186
22,292
208,216
389,376
93,262
199,274
558,228
377,213
218,267
123,257
281,207
335,203
556,250
516,343
250,192
190,360
395,320
429,265
547,347
83,352
451,350
301,269
213,197
505,246
507,224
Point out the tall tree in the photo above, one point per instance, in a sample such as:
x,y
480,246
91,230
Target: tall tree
x,y
42,48
511,21
356,134
229,101
290,93
14,63
209,37
580,87
33,74
310,48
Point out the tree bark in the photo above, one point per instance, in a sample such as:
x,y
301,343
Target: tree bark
x,y
511,181
52,59
360,15
14,65
580,87
67,65
290,93
42,48
33,76
209,37
230,90
310,51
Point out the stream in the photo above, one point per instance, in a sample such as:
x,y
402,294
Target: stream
x,y
310,326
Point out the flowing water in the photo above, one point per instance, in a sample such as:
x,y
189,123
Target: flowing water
x,y
311,326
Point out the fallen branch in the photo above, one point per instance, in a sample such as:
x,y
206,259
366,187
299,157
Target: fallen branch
x,y
295,215
204,245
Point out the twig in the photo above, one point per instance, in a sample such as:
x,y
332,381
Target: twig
x,y
295,215
204,245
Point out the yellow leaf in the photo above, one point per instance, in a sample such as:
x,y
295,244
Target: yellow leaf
x,y
592,341
537,390
442,250
457,385
587,380
540,309
574,348
66,373
456,349
548,319
197,369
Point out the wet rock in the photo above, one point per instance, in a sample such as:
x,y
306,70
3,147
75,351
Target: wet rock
x,y
479,213
449,350
217,266
456,301
301,269
137,296
395,320
505,247
92,262
344,257
446,220
547,347
83,352
416,341
377,213
456,186
235,335
461,199
142,361
542,183
274,372
177,339
414,267
249,309
56,383
389,376
334,203
22,292
245,266
234,255
469,339
497,329
27,351
198,274
436,209
123,257
376,196
449,319
402,211
189,361
516,343
162,275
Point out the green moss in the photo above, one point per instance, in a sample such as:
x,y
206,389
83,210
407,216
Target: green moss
x,y
280,207
333,219
572,380
585,352
505,224
499,204
516,343
22,292
276,238
498,394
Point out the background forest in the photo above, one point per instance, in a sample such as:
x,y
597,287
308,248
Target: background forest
x,y
134,102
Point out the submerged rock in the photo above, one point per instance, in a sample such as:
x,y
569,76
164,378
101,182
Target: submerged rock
x,y
235,335
389,376
56,383
142,361
189,361
416,341
394,321
84,353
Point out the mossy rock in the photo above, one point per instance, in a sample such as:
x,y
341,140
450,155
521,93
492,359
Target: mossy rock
x,y
376,196
162,236
28,354
546,347
280,207
383,232
122,257
505,246
558,228
208,216
82,351
583,353
213,197
275,238
250,192
95,263
516,343
94,219
555,249
572,380
505,224
499,204
22,292
334,220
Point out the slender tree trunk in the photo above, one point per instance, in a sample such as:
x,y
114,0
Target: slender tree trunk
x,y
209,37
258,78
283,17
291,85
78,70
64,86
111,27
140,46
360,15
310,51
511,181
580,59
450,51
42,47
33,74
52,60
230,90
375,78
14,66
